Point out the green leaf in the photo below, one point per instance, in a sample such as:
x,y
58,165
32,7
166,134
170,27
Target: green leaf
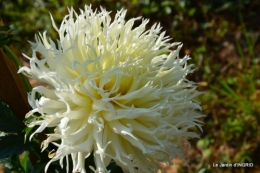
x,y
4,28
4,39
13,145
28,131
24,161
13,41
203,143
17,167
192,11
35,117
9,123
38,168
3,36
207,153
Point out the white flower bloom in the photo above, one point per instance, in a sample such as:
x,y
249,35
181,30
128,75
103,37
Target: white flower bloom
x,y
116,90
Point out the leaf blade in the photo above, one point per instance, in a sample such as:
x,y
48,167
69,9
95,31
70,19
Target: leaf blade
x,y
13,145
9,123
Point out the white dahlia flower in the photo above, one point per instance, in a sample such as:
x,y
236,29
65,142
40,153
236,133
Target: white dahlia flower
x,y
113,89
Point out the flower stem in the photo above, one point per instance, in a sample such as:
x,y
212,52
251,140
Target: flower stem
x,y
18,64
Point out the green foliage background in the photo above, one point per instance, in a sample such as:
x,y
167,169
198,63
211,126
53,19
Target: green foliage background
x,y
221,36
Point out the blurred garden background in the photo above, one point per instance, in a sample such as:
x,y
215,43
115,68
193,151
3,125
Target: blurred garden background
x,y
222,38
